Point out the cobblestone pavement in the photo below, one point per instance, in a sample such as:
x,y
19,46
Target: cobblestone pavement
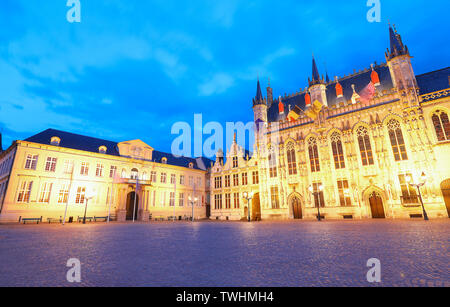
x,y
412,253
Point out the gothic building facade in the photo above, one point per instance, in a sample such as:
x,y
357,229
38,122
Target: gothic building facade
x,y
344,148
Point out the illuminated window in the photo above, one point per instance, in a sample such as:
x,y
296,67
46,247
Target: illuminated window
x,y
244,178
272,165
235,162
338,151
153,176
441,125
191,165
31,162
25,192
55,141
364,146
275,200
172,199
291,159
50,165
319,199
99,170
84,169
144,176
397,141
227,181
173,179
227,201
236,201
81,195
68,167
236,180
344,193
134,174
163,177
313,155
255,176
164,160
112,171
409,194
63,194
218,201
46,190
102,149
218,182
181,200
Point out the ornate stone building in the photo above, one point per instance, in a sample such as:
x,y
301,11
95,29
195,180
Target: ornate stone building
x,y
42,174
347,147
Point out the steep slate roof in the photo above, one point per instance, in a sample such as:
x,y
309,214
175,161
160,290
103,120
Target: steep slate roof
x,y
434,81
90,144
360,80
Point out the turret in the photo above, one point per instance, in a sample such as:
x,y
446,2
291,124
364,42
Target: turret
x,y
259,106
317,87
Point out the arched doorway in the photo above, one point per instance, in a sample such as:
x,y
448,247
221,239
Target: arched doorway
x,y
445,187
376,206
296,208
256,208
130,206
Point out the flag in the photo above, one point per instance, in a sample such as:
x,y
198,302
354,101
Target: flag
x,y
295,114
367,93
311,114
317,106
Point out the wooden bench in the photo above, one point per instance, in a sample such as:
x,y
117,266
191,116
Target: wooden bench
x,y
88,219
51,220
32,220
102,218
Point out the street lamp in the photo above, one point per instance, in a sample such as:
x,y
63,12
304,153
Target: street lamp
x,y
193,201
90,194
314,193
248,197
418,185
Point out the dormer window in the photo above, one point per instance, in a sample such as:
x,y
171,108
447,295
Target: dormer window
x,y
164,160
191,165
55,141
102,149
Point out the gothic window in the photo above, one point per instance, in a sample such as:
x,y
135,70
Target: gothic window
x,y
314,155
344,193
441,125
292,161
235,162
397,140
275,200
409,194
338,151
364,146
272,164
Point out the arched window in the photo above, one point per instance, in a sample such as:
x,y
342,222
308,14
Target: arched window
x,y
314,155
338,151
364,146
272,164
292,161
441,125
397,140
134,173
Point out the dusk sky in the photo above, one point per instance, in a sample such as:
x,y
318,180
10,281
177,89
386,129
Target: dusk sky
x,y
131,69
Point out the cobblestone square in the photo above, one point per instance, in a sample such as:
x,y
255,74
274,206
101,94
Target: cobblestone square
x,y
272,254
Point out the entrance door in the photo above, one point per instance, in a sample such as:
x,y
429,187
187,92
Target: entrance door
x,y
376,205
445,186
130,206
256,208
296,208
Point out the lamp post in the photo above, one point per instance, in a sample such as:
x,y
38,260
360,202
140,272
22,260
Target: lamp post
x,y
90,194
418,185
248,197
314,193
193,201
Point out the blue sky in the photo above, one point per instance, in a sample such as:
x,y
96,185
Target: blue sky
x,y
132,68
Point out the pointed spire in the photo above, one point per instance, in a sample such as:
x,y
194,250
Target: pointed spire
x,y
396,45
315,74
259,95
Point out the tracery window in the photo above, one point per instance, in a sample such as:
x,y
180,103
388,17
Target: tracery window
x,y
397,140
338,151
314,155
292,160
272,164
364,146
441,125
